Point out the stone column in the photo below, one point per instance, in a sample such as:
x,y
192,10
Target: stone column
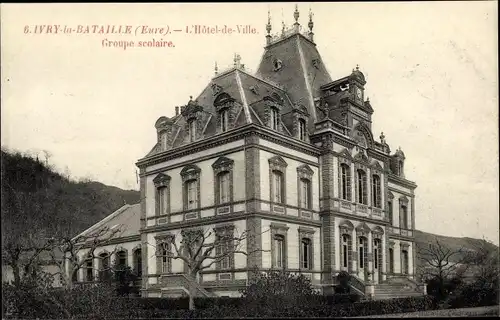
x,y
385,258
354,252
410,261
369,249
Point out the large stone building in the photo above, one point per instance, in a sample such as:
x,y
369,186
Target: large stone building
x,y
287,155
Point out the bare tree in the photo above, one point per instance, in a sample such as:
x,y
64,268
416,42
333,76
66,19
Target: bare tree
x,y
440,261
484,263
67,252
201,248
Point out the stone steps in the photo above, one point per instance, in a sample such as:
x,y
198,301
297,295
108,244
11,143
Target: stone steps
x,y
384,291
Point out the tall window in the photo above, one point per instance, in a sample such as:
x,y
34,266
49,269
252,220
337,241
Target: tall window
x,y
389,204
278,186
138,262
361,251
376,244
404,217
391,260
346,181
192,130
274,119
362,194
162,193
89,269
105,271
305,194
345,250
223,120
223,250
165,254
400,167
279,251
121,258
404,262
306,253
192,194
302,129
224,187
376,191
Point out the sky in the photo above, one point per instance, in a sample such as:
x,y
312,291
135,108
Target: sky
x,y
431,71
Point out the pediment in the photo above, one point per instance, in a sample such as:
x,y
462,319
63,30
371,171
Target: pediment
x,y
161,178
390,195
361,157
346,224
162,122
376,165
223,99
362,135
378,230
346,154
191,168
305,169
301,109
222,161
278,161
403,199
363,227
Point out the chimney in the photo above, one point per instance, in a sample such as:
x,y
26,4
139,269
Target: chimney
x,y
176,111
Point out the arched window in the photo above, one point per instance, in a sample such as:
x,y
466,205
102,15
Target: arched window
x,y
89,268
278,195
121,259
105,268
305,193
361,182
223,180
376,191
302,129
138,262
345,181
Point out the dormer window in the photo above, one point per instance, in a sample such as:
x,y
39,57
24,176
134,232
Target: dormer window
x,y
223,121
192,130
274,119
400,167
302,129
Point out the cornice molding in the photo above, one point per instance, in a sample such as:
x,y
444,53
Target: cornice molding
x,y
398,180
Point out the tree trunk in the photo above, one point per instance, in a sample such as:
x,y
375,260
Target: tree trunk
x,y
16,273
191,295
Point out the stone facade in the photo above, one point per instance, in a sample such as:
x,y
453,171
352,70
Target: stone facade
x,y
315,203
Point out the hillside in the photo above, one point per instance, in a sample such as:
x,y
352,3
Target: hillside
x,y
36,196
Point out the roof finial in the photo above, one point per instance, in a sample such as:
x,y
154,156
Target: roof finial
x,y
357,67
382,138
296,14
311,25
268,27
216,69
282,23
237,61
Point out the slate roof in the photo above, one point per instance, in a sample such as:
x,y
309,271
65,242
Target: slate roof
x,y
297,83
126,218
